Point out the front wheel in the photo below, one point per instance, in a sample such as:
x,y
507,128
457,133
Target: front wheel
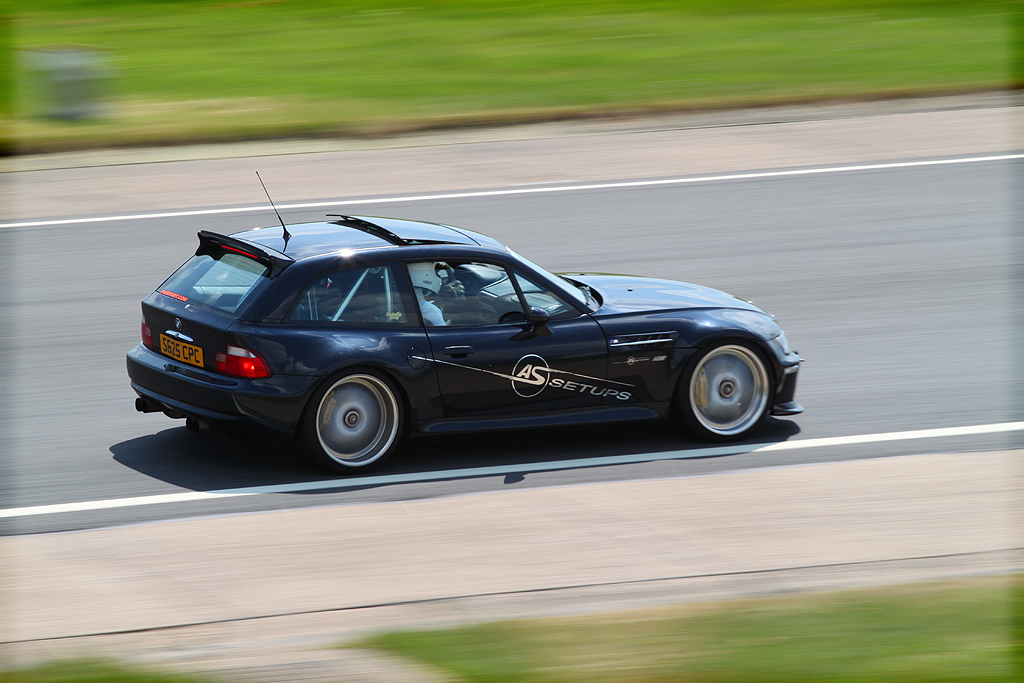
x,y
353,421
725,392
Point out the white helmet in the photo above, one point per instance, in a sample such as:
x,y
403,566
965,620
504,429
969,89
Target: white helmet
x,y
424,275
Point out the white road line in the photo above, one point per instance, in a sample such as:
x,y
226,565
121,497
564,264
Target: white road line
x,y
500,470
530,190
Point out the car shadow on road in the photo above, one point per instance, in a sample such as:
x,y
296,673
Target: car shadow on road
x,y
206,462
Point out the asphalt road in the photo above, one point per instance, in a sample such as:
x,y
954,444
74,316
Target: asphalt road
x,y
896,284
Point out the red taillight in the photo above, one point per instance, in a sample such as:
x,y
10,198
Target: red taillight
x,y
147,334
241,362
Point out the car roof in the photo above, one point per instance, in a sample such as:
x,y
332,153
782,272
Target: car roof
x,y
357,233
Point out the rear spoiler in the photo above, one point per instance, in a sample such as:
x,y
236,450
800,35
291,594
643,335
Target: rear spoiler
x,y
212,242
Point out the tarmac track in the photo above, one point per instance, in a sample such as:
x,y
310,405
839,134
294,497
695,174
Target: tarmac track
x,y
897,284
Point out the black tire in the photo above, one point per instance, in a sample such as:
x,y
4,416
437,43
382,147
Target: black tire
x,y
725,391
354,421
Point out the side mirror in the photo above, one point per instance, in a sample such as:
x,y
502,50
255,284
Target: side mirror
x,y
539,319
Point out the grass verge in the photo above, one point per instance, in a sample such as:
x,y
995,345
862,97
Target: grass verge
x,y
89,671
213,70
959,631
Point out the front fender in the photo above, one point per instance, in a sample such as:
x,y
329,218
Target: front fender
x,y
699,328
658,367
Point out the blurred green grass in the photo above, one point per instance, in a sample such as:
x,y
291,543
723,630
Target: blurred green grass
x,y
958,631
6,80
202,70
90,671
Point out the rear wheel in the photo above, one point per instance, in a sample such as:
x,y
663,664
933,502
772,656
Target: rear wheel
x,y
353,421
725,392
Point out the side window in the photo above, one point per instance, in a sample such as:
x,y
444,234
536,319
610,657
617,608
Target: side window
x,y
542,297
354,296
464,294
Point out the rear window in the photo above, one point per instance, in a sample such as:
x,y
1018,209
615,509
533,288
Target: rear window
x,y
221,282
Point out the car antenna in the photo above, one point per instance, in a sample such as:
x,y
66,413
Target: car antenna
x,y
287,235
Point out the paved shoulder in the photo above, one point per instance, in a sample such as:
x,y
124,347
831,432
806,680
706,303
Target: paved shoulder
x,y
133,181
187,592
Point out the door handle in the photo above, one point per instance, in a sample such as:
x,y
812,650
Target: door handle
x,y
458,351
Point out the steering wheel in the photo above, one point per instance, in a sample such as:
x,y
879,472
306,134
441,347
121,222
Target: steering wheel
x,y
449,272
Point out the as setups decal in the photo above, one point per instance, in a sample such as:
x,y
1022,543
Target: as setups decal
x,y
531,375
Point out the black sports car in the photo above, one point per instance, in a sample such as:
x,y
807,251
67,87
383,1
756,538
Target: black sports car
x,y
357,331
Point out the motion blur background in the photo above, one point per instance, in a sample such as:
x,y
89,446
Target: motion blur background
x,y
172,71
107,74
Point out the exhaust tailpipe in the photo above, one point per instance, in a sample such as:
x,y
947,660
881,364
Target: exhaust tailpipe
x,y
197,425
146,406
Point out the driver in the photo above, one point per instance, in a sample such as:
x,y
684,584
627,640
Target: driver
x,y
427,283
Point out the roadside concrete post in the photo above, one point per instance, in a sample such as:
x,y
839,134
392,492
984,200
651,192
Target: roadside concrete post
x,y
68,82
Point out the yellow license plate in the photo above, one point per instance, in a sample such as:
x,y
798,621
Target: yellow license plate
x,y
186,353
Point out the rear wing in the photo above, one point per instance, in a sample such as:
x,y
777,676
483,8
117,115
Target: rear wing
x,y
211,243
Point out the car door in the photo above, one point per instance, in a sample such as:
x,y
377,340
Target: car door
x,y
490,360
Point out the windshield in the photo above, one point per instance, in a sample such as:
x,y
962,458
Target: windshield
x,y
581,293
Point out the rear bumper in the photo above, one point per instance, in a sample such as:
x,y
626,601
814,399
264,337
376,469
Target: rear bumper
x,y
275,403
177,409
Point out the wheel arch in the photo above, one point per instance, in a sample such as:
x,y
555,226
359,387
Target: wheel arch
x,y
699,330
352,367
726,336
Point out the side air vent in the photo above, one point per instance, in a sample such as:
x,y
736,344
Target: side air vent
x,y
651,340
